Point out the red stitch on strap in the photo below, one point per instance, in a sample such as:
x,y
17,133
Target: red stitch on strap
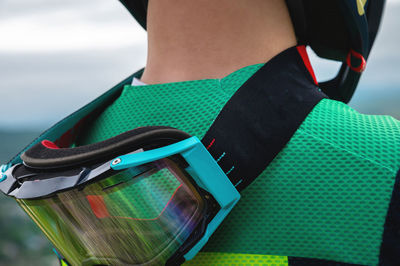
x,y
211,143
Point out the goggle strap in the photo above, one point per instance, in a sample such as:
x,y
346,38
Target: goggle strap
x,y
262,116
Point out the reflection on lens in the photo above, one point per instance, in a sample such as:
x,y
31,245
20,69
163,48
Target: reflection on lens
x,y
121,219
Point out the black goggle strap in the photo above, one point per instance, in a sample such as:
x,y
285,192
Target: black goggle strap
x,y
262,116
253,126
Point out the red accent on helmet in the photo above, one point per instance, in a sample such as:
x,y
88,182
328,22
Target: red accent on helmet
x,y
303,53
360,68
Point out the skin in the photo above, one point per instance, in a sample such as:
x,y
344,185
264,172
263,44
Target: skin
x,y
199,39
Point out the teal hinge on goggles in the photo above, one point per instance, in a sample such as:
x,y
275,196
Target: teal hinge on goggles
x,y
151,195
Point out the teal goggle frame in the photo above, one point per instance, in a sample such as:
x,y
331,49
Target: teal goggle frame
x,y
203,170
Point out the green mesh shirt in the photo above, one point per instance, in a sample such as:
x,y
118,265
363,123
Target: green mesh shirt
x,y
326,195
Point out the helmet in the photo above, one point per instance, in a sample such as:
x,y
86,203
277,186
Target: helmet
x,y
340,30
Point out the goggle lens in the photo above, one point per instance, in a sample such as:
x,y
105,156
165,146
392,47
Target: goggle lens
x,y
139,215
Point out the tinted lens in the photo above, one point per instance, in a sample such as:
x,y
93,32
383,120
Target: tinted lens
x,y
137,216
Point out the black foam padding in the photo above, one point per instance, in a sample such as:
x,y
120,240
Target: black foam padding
x,y
390,247
293,261
262,116
40,156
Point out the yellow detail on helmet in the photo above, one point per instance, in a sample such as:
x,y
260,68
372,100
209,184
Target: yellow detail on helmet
x,y
360,6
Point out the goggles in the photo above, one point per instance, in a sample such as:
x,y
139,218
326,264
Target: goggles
x,y
154,195
150,196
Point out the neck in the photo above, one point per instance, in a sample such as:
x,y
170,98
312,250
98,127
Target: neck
x,y
198,39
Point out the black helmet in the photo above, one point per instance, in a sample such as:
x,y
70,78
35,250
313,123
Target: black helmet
x,y
341,30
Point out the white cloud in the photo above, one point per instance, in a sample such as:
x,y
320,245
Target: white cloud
x,y
101,24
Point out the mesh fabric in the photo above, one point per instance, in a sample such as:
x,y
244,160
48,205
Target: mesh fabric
x,y
324,196
190,106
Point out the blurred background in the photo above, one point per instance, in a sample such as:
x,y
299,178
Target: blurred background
x,y
56,56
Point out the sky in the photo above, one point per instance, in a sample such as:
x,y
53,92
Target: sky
x,y
57,55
